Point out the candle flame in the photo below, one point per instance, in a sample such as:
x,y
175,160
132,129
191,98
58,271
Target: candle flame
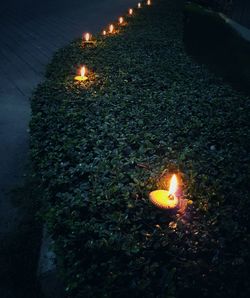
x,y
111,28
130,11
83,71
149,2
87,37
139,5
104,32
173,185
121,20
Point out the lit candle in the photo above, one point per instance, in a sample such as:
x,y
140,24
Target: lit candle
x,y
87,37
166,199
148,2
130,11
121,20
111,28
82,77
104,32
139,5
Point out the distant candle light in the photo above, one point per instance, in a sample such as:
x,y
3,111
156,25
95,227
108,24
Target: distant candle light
x,y
121,20
82,77
148,2
139,5
104,32
87,37
130,11
111,28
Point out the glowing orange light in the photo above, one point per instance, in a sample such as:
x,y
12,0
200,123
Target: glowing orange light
x,y
130,11
111,28
166,199
173,185
149,2
139,5
87,37
83,71
82,76
121,20
104,32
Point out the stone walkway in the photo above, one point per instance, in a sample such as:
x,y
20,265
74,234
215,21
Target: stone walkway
x,y
30,32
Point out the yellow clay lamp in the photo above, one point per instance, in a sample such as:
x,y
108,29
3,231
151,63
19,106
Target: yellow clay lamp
x,y
82,76
166,199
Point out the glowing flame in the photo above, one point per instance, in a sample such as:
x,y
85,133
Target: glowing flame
x,y
173,185
111,28
104,32
130,11
83,71
149,2
121,20
87,37
139,5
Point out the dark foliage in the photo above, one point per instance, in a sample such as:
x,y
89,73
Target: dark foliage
x,y
146,103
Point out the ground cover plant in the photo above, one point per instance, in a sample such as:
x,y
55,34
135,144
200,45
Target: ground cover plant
x,y
99,147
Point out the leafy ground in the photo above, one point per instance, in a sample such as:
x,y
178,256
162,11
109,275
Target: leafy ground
x,y
99,147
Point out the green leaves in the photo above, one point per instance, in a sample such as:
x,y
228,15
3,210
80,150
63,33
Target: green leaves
x,y
98,149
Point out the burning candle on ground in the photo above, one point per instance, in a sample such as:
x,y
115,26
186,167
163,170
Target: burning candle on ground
x,y
104,32
139,5
121,20
166,199
148,2
111,28
82,77
87,37
130,11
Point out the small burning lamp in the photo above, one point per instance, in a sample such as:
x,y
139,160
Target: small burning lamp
x,y
121,20
111,28
104,32
166,199
130,12
82,77
148,2
87,39
139,5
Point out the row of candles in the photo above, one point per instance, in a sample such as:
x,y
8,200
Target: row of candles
x,y
161,198
87,39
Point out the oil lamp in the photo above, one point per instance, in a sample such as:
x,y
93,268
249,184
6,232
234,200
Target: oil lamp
x,y
139,5
148,2
104,32
87,39
82,77
111,28
121,20
166,199
130,12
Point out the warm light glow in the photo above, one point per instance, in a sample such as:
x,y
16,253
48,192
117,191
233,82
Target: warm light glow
x,y
87,37
104,32
173,185
161,198
149,2
130,11
111,28
83,71
121,20
139,5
